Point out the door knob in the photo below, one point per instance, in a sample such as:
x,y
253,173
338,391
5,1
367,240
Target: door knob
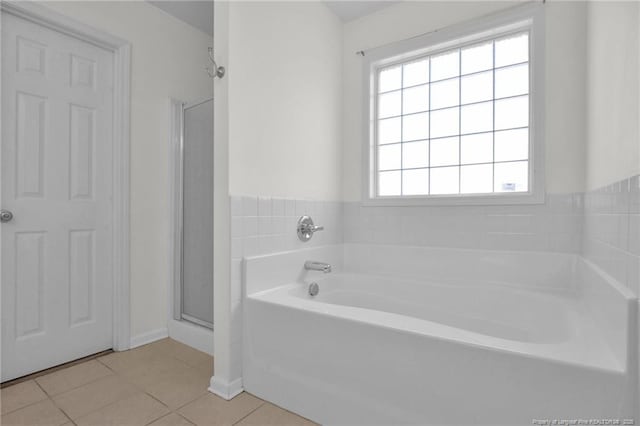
x,y
5,215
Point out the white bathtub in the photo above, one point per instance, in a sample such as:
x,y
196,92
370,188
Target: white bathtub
x,y
477,345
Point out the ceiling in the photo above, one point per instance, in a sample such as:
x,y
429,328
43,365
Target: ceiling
x,y
198,14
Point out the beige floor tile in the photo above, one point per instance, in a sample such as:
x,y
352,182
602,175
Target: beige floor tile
x,y
20,395
173,375
164,346
131,359
213,410
139,409
93,396
172,419
40,413
269,414
187,354
153,370
175,387
73,377
194,357
206,367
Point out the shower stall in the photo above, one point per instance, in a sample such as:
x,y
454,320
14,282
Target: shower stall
x,y
192,228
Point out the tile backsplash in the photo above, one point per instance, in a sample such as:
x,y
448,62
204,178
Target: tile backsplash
x,y
262,225
611,237
553,226
602,225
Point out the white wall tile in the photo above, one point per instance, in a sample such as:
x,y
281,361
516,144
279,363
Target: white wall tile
x,y
268,225
237,248
251,246
604,225
249,226
249,206
236,227
265,225
552,226
290,208
611,230
236,206
264,207
278,206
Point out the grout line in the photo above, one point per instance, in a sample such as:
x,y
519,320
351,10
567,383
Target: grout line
x,y
251,412
103,407
183,417
25,406
154,398
110,369
192,400
62,410
48,398
159,417
167,415
76,387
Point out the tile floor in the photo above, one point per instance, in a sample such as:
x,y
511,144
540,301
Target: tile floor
x,y
163,383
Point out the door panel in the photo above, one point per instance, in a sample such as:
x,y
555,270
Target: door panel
x,y
56,253
81,153
30,133
81,278
29,278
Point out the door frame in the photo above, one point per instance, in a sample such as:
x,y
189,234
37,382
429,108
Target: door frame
x,y
121,50
176,203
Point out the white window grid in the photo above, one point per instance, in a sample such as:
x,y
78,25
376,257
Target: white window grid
x,y
459,105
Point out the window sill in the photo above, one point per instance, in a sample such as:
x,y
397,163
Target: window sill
x,y
457,200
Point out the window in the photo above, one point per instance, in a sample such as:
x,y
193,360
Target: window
x,y
454,119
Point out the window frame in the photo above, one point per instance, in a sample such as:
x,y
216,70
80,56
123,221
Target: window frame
x,y
529,18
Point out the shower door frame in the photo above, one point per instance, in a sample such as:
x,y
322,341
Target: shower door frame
x,y
176,167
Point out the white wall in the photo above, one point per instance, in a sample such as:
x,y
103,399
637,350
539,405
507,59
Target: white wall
x,y
285,104
168,59
278,122
613,151
565,56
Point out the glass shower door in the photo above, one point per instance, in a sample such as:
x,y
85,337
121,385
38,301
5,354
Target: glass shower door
x,y
197,214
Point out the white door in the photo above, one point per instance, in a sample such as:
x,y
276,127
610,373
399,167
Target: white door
x,y
57,101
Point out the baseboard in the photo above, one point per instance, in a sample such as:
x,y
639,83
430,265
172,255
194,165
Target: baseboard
x,y
148,337
200,338
224,389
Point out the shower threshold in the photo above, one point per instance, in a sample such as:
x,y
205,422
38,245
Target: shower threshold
x,y
197,321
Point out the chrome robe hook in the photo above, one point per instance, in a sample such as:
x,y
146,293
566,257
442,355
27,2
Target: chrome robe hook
x,y
214,70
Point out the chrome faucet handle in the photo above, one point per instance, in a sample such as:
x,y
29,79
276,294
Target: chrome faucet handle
x,y
306,228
